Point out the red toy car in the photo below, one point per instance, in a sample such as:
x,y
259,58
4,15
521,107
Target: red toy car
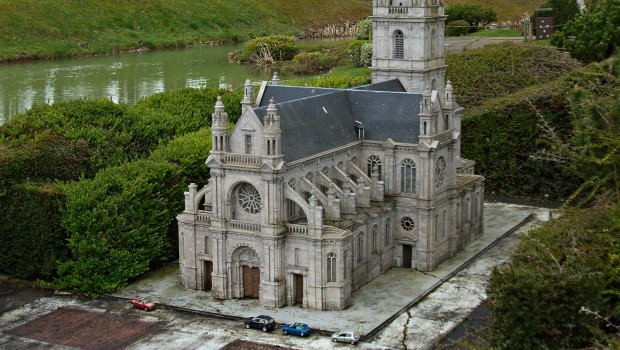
x,y
142,303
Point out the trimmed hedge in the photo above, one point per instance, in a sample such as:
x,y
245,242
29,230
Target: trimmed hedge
x,y
31,238
72,141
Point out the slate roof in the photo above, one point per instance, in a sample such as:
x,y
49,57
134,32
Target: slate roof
x,y
315,120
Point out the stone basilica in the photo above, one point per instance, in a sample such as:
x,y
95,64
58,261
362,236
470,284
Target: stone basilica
x,y
317,191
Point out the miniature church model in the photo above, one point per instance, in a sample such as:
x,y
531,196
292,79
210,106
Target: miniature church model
x,y
318,191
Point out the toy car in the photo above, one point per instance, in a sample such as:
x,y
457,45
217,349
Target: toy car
x,y
263,322
142,303
346,337
300,329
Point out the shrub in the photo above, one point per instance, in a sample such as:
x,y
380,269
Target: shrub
x,y
457,28
311,62
269,49
364,30
536,301
51,158
476,16
118,224
187,153
563,11
31,238
592,36
361,53
501,69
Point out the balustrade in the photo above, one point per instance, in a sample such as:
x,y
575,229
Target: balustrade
x,y
243,159
297,229
245,226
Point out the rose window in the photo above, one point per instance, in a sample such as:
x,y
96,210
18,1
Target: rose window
x,y
407,223
249,198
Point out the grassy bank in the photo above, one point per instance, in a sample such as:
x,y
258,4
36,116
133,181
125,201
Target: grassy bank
x,y
42,29
49,29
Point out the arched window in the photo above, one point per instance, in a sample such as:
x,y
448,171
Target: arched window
x,y
407,176
360,246
387,231
399,45
374,238
374,165
331,267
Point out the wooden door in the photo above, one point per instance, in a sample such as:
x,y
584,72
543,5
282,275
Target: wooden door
x,y
299,289
407,250
208,272
251,281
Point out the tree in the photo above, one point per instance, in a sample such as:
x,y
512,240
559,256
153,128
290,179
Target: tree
x,y
477,16
593,35
563,11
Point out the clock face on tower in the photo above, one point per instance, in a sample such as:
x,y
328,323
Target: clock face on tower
x,y
440,170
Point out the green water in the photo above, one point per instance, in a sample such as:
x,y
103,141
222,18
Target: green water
x,y
122,78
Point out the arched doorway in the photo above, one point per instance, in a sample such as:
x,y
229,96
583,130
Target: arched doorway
x,y
246,262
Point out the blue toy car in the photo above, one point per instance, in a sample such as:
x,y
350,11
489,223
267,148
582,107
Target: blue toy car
x,y
300,329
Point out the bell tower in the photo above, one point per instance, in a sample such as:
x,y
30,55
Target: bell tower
x,y
408,43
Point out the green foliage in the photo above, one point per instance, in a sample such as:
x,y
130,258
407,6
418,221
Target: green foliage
x,y
268,49
593,153
501,69
31,239
364,29
72,141
594,35
118,223
558,271
476,16
361,53
50,158
39,28
338,77
185,153
563,11
457,28
310,62
505,141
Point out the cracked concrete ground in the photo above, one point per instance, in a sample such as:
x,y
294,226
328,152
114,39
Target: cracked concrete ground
x,y
419,327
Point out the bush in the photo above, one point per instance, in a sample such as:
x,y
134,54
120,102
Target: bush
x,y
187,153
560,269
476,16
51,158
364,30
269,49
498,70
118,224
457,28
310,62
361,53
592,36
31,238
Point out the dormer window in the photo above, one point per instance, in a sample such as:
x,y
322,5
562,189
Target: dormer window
x,y
359,130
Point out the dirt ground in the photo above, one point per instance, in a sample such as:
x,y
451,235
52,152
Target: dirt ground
x,y
86,330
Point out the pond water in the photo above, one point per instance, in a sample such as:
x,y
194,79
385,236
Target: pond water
x,y
122,78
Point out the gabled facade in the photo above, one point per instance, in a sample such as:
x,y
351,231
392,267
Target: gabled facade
x,y
318,191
